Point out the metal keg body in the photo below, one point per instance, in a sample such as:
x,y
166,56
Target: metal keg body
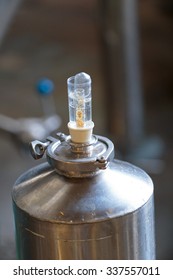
x,y
83,204
105,216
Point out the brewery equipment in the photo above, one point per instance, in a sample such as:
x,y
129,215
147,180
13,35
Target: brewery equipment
x,y
83,204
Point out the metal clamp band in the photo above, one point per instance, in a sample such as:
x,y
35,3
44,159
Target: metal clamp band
x,y
73,159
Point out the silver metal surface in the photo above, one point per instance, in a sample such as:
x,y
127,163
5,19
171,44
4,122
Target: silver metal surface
x,y
27,129
108,216
132,73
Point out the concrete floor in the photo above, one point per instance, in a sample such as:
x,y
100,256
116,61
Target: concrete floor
x,y
58,39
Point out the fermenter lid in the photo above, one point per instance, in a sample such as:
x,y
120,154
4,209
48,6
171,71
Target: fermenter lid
x,y
75,159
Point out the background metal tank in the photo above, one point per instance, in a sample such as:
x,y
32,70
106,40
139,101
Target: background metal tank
x,y
106,214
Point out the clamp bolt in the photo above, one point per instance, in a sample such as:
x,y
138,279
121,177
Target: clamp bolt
x,y
38,148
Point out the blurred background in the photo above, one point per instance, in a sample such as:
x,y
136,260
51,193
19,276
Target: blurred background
x,y
126,47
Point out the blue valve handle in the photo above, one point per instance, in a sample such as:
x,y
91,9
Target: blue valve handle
x,y
45,87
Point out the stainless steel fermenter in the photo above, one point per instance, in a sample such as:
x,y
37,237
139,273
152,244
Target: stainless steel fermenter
x,y
83,204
